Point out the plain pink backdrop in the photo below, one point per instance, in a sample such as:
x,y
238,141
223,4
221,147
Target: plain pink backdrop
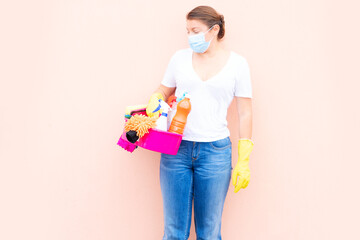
x,y
69,68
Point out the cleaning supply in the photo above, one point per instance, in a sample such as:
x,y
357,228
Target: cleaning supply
x,y
171,114
161,123
182,111
154,140
152,108
131,110
138,125
173,104
241,169
126,145
182,97
171,100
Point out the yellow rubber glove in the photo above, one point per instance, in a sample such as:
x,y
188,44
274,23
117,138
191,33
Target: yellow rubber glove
x,y
153,104
241,169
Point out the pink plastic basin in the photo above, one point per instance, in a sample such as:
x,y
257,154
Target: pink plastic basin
x,y
156,140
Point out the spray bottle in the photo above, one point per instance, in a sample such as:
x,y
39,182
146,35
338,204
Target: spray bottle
x,y
161,123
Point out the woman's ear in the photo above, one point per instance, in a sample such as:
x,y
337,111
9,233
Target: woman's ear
x,y
217,29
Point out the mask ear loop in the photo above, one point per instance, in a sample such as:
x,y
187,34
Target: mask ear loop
x,y
211,27
209,30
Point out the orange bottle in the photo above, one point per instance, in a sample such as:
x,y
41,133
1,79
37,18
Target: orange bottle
x,y
182,111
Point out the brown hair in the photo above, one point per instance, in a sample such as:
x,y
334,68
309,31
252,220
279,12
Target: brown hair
x,y
208,16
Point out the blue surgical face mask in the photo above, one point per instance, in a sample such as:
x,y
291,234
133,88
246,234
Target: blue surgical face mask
x,y
197,42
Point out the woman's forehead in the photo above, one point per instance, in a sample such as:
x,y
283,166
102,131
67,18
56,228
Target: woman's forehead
x,y
194,23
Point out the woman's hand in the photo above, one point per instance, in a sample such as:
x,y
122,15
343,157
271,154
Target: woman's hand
x,y
241,169
154,104
163,93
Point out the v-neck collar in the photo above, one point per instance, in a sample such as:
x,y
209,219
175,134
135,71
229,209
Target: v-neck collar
x,y
214,76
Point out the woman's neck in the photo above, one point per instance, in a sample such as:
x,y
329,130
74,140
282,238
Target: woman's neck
x,y
214,48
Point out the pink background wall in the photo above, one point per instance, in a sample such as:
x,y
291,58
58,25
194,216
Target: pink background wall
x,y
69,68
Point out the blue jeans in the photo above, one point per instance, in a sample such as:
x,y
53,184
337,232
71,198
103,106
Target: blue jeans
x,y
199,172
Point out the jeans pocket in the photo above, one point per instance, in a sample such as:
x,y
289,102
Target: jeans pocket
x,y
221,144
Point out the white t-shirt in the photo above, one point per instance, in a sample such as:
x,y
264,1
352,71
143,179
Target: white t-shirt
x,y
209,99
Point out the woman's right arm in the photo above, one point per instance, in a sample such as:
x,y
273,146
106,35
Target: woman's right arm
x,y
161,92
165,91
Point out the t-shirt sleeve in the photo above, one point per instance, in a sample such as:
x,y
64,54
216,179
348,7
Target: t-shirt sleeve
x,y
243,86
169,76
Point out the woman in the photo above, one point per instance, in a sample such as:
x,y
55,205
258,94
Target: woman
x,y
201,170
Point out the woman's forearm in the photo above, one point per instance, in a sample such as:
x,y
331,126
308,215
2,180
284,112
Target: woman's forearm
x,y
165,91
160,90
245,126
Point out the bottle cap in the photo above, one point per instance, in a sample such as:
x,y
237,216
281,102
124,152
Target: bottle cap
x,y
182,97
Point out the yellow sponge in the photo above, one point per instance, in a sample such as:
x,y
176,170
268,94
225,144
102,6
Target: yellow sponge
x,y
129,109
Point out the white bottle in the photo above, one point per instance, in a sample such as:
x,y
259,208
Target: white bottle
x,y
171,114
162,122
